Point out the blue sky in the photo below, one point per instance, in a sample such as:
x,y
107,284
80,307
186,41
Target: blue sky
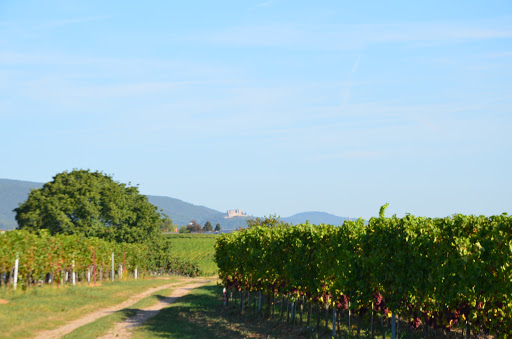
x,y
267,106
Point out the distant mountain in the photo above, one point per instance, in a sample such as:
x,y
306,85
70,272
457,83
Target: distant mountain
x,y
14,192
315,218
182,212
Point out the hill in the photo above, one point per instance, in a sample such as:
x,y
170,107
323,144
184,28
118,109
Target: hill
x,y
182,212
315,218
14,192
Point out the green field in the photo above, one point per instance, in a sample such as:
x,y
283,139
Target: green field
x,y
197,248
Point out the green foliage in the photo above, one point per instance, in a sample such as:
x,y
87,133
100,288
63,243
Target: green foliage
x,y
196,248
446,270
166,224
90,204
42,253
184,229
270,221
193,227
217,227
207,227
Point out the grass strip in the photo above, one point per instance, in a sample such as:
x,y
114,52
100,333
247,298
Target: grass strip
x,y
27,312
200,314
103,325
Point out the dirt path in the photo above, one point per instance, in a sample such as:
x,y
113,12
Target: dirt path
x,y
132,322
124,329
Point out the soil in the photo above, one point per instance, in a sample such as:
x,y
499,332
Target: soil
x,y
123,329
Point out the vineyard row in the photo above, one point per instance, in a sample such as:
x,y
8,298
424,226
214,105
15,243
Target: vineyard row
x,y
42,258
437,272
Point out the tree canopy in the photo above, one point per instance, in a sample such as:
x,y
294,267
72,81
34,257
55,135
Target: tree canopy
x,y
207,227
92,204
193,226
217,227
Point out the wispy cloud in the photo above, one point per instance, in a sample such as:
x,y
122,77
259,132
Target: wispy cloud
x,y
348,87
349,155
72,21
262,4
355,36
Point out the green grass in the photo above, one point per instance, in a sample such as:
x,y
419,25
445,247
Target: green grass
x,y
28,312
197,248
103,325
200,314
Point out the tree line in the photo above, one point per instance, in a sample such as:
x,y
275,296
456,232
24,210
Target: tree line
x,y
194,227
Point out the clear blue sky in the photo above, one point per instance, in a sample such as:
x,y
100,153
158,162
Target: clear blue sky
x,y
267,106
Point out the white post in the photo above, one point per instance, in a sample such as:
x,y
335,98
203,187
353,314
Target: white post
x,y
113,271
73,273
16,264
88,275
135,273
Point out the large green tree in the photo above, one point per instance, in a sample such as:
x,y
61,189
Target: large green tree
x,y
92,204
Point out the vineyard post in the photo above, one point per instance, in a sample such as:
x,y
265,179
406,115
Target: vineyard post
x,y
393,325
242,302
287,308
273,303
301,300
292,311
334,322
113,269
124,266
371,323
88,275
135,273
398,327
94,266
16,263
309,313
349,325
259,301
73,271
327,315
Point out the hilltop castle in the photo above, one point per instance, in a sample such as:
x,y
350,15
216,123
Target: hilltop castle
x,y
235,213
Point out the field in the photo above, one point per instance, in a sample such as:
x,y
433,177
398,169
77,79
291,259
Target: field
x,y
197,248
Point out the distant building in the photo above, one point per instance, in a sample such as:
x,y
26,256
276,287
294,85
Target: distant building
x,y
235,213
